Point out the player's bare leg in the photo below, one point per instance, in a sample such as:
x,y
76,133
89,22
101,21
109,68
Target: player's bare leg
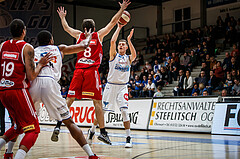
x,y
100,119
56,130
77,134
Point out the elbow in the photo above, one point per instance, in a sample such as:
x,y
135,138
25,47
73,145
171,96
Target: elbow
x,y
113,42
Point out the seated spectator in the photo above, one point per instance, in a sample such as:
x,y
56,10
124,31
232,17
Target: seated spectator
x,y
178,90
144,72
149,89
201,88
227,62
193,60
234,65
195,94
163,77
175,57
130,92
158,93
201,79
184,61
64,92
235,51
179,48
64,81
188,84
144,81
148,66
137,86
212,82
205,69
156,66
149,48
205,93
132,75
195,89
213,62
228,83
173,71
234,74
230,37
219,73
224,93
236,87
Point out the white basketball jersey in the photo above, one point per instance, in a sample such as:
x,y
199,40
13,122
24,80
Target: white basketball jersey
x,y
53,68
119,69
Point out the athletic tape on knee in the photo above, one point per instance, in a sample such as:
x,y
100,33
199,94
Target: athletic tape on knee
x,y
125,114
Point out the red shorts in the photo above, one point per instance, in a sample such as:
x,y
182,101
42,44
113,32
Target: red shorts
x,y
20,107
86,83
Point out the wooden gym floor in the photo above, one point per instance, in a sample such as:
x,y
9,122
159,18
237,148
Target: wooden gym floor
x,y
146,144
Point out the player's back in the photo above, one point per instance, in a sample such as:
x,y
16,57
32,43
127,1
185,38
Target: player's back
x,y
92,55
53,68
12,72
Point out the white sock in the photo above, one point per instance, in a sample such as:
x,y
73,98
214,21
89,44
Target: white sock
x,y
93,128
2,143
128,132
10,147
88,150
20,154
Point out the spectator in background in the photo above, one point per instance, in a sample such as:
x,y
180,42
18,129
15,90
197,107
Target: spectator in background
x,y
234,65
178,90
227,62
130,92
205,93
163,77
184,61
234,74
213,62
224,93
236,87
179,48
195,94
212,82
188,83
149,48
158,93
195,89
201,79
137,86
156,66
228,83
143,73
235,51
199,36
201,88
205,69
193,60
144,82
173,70
230,37
149,89
64,92
64,82
148,66
219,73
227,18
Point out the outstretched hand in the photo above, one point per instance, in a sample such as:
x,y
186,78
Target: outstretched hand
x,y
130,35
62,12
121,25
124,4
88,33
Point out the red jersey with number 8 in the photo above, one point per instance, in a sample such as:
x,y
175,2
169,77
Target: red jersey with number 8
x,y
12,70
92,55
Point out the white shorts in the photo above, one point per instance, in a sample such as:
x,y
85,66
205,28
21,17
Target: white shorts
x,y
47,91
115,95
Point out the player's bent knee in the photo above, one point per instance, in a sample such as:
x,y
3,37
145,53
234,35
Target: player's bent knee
x,y
125,115
29,139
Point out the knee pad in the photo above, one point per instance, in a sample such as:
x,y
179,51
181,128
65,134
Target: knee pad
x,y
29,139
125,114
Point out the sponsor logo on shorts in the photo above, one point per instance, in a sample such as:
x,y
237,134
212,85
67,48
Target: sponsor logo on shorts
x,y
10,55
6,83
86,61
71,93
125,96
65,115
88,93
28,128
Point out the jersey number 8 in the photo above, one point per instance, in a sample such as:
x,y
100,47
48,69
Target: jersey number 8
x,y
87,52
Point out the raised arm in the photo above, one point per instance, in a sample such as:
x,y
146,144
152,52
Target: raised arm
x,y
113,52
71,49
31,71
104,31
131,47
62,14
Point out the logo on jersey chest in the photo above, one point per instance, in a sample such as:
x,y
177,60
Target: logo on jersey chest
x,y
10,55
86,61
92,42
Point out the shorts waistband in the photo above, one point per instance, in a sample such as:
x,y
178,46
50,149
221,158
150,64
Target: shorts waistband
x,y
117,83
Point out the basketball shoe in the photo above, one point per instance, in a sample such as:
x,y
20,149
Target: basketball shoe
x,y
90,136
104,138
128,142
55,134
93,157
8,155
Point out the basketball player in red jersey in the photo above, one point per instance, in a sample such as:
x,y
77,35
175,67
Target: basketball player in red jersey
x,y
86,81
16,70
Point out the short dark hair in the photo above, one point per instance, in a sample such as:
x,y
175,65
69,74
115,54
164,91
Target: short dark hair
x,y
44,37
16,27
123,40
88,23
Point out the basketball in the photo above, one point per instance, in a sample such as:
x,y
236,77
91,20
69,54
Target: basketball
x,y
125,18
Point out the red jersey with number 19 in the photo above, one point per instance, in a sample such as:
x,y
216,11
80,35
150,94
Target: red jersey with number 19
x,y
92,55
12,69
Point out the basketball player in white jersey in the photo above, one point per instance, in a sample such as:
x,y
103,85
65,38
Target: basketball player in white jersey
x,y
116,91
45,87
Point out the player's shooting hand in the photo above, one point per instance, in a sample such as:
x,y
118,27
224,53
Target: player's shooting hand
x,y
45,59
124,4
62,12
130,35
121,25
